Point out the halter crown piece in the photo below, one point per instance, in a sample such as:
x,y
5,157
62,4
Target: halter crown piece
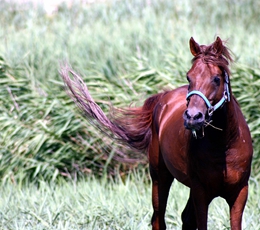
x,y
211,108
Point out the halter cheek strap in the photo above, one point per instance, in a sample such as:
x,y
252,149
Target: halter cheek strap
x,y
225,97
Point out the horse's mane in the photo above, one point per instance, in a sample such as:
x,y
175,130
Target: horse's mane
x,y
209,55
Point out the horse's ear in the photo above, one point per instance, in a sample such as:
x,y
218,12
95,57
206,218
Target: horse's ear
x,y
194,47
218,46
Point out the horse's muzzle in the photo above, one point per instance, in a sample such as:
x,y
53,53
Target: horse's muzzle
x,y
193,119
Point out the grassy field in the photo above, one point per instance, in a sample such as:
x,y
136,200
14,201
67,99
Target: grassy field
x,y
126,51
102,204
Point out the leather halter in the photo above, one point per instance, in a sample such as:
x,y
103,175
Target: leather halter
x,y
211,108
224,99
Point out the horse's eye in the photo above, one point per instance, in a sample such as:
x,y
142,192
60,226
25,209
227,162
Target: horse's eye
x,y
217,80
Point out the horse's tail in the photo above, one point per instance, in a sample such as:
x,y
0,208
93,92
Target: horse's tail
x,y
131,125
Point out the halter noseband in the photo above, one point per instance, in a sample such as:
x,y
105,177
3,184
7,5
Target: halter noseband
x,y
225,97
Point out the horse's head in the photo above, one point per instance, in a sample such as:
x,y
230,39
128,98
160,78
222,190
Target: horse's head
x,y
208,83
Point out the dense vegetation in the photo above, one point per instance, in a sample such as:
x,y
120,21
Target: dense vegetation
x,y
126,51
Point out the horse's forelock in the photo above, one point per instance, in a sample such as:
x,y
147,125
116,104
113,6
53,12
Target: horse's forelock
x,y
208,55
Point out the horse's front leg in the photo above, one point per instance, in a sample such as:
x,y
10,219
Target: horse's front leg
x,y
188,216
237,205
161,183
201,201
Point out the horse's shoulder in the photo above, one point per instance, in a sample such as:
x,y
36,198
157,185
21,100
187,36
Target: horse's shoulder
x,y
170,107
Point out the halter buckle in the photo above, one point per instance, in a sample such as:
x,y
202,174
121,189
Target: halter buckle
x,y
210,111
226,96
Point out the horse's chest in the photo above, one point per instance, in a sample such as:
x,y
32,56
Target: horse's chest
x,y
207,164
216,167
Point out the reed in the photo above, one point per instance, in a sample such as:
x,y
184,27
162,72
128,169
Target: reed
x,y
125,51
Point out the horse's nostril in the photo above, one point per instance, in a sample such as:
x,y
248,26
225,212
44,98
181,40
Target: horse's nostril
x,y
198,116
187,114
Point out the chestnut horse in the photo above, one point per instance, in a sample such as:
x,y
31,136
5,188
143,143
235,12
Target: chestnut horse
x,y
211,153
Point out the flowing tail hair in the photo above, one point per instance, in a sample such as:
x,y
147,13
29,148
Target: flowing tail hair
x,y
131,126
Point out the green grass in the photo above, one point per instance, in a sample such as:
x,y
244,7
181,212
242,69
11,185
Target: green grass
x,y
102,204
126,51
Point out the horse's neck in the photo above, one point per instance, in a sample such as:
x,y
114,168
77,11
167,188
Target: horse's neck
x,y
226,119
232,119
